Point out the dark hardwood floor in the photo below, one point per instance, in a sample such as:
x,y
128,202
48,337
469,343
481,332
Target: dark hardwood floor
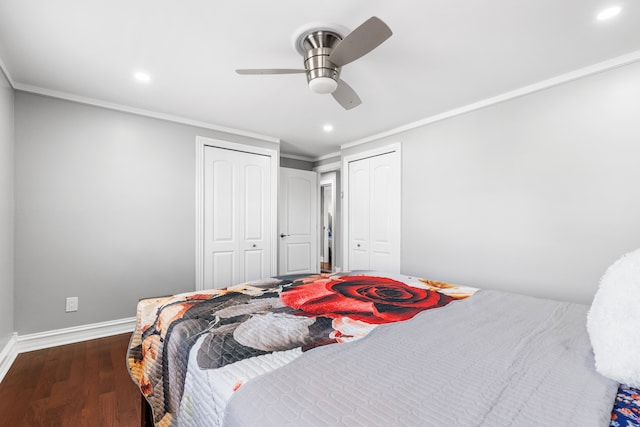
x,y
75,385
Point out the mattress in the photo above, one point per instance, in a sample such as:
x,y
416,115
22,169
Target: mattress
x,y
215,358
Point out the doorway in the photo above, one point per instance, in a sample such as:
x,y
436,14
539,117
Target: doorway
x,y
327,222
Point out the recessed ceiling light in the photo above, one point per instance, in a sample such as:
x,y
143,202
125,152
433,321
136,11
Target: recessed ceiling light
x,y
142,76
327,128
609,13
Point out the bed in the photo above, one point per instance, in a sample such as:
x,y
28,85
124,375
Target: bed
x,y
369,349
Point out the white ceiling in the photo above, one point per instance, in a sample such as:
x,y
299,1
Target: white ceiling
x,y
443,55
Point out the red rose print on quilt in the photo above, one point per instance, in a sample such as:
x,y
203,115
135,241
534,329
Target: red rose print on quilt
x,y
366,298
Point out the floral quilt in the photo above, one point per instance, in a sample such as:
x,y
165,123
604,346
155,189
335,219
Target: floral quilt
x,y
626,412
255,319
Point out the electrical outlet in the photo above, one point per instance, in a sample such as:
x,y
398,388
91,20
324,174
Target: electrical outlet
x,y
72,304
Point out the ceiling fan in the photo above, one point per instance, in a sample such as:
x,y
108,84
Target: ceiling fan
x,y
325,52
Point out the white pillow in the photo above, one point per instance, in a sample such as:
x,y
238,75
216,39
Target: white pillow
x,y
613,322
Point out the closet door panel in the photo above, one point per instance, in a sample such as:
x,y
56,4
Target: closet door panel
x,y
237,210
374,213
359,214
385,218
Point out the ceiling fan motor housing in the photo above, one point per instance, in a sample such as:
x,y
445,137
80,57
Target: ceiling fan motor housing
x,y
322,74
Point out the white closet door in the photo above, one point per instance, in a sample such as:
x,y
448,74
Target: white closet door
x,y
374,214
298,222
384,214
237,243
359,218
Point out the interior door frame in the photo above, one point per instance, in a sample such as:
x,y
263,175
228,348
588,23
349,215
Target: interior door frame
x,y
337,200
201,143
386,149
322,254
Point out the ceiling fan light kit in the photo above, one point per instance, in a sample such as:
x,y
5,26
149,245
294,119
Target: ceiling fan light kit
x,y
325,51
322,85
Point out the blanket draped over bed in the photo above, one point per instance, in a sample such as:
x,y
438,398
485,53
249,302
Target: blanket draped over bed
x,y
210,343
258,353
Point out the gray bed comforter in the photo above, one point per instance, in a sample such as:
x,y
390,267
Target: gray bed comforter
x,y
496,359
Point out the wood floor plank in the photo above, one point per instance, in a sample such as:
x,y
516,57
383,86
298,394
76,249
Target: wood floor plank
x,y
82,384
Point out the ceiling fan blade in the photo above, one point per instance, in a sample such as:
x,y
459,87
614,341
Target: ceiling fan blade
x,y
346,96
369,35
271,71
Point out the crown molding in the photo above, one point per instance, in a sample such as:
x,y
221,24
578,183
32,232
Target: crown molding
x,y
141,112
580,73
328,156
526,90
328,167
4,70
296,157
310,159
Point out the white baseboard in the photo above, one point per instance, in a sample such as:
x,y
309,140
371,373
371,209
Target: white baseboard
x,y
75,334
8,355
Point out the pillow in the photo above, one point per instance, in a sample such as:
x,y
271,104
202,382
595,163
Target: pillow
x,y
613,322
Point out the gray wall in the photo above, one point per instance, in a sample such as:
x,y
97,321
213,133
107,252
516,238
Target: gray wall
x,y
286,162
104,210
6,211
536,195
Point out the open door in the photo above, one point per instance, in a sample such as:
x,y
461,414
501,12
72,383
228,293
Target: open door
x,y
298,222
327,222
